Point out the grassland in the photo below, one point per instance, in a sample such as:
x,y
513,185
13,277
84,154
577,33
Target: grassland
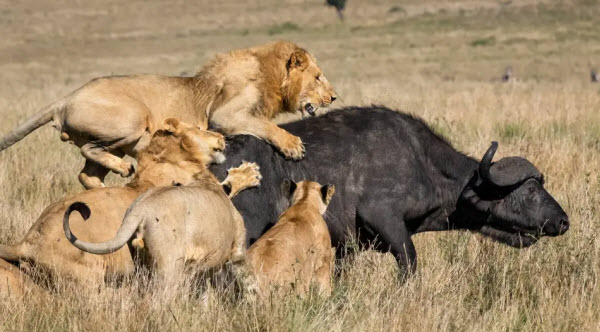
x,y
439,59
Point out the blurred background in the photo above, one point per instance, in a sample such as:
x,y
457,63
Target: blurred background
x,y
378,42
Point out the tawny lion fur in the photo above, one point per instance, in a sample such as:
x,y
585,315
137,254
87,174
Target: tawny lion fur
x,y
240,92
194,228
176,154
15,285
296,252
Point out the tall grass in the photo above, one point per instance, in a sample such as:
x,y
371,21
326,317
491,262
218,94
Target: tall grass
x,y
422,62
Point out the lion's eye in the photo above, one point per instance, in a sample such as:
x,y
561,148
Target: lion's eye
x,y
318,78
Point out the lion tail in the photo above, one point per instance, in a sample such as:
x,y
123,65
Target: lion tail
x,y
42,117
125,232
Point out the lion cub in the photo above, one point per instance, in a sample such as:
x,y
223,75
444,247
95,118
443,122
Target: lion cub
x,y
297,251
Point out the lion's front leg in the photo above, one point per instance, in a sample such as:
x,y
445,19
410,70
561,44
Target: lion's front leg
x,y
235,118
245,176
289,145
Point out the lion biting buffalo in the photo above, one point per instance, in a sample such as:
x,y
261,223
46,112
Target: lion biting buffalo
x,y
240,92
393,176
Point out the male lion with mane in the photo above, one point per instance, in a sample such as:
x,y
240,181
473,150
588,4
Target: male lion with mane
x,y
240,92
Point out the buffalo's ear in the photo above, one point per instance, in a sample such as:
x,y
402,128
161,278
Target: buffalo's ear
x,y
298,60
171,125
288,187
327,192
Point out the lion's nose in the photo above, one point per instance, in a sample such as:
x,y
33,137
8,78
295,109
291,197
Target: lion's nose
x,y
333,98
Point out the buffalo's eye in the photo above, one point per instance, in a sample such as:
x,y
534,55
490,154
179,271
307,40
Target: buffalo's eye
x,y
532,189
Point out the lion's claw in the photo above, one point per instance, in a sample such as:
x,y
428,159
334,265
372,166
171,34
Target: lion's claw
x,y
295,149
247,175
128,170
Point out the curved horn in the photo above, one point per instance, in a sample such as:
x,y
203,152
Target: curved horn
x,y
486,161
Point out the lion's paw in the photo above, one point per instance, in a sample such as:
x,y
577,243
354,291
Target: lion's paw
x,y
246,175
252,171
292,148
127,170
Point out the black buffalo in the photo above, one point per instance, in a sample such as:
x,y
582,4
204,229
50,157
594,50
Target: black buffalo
x,y
395,177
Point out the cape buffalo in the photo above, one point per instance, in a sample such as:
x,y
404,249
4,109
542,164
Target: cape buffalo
x,y
395,177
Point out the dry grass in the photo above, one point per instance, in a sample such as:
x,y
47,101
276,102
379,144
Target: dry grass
x,y
421,57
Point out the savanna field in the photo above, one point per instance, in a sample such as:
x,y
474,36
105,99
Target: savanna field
x,y
440,60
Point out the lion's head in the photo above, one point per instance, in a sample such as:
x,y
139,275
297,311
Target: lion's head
x,y
307,87
180,141
203,146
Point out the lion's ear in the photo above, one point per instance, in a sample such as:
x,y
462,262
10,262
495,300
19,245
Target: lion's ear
x,y
298,60
327,192
288,187
171,125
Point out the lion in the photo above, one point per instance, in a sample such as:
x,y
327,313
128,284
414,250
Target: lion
x,y
239,92
296,252
176,155
193,228
15,285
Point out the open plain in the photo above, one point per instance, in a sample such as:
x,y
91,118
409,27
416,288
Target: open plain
x,y
440,59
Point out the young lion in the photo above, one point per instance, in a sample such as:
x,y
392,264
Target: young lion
x,y
296,251
240,92
176,154
193,227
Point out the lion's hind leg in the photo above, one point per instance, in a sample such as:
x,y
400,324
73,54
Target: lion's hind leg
x,y
107,158
92,175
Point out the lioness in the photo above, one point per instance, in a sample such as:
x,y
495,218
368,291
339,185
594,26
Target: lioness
x,y
240,92
195,227
176,154
14,284
296,251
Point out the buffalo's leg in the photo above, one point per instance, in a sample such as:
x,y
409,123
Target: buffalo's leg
x,y
100,155
235,118
92,175
393,234
402,247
